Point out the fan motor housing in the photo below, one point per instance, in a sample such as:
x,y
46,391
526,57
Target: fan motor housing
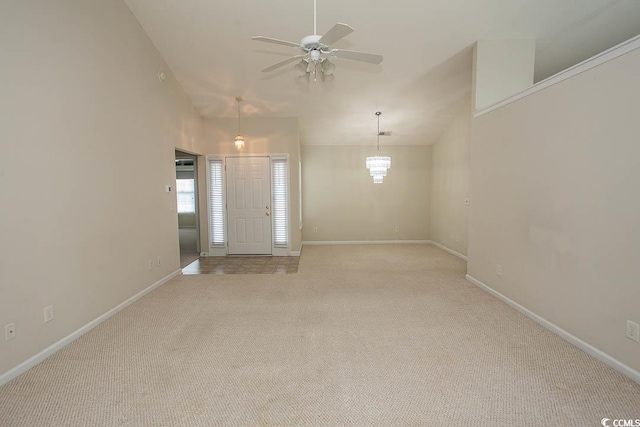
x,y
313,43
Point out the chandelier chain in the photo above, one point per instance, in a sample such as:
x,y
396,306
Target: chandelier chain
x,y
239,99
378,113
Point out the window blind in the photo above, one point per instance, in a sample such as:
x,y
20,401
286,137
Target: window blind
x,y
279,213
216,202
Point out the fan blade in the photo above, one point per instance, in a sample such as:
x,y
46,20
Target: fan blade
x,y
336,32
281,63
275,41
356,56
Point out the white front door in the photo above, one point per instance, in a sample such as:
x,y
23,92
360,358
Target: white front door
x,y
248,205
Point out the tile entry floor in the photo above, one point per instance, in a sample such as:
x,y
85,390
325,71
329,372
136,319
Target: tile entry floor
x,y
243,265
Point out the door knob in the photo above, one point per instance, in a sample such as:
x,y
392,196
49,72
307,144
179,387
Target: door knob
x,y
267,206
267,213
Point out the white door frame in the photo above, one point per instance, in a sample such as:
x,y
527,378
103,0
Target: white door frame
x,y
223,250
197,188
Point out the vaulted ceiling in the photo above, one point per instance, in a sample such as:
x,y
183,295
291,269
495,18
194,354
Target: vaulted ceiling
x,y
425,77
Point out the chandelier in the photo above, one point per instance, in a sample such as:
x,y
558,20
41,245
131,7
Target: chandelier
x,y
377,164
239,141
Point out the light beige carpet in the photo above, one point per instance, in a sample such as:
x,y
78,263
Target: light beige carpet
x,y
361,335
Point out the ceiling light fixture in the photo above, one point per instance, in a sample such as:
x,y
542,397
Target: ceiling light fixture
x,y
377,164
302,67
314,66
328,67
239,141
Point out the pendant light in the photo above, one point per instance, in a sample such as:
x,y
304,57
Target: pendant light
x,y
239,141
377,164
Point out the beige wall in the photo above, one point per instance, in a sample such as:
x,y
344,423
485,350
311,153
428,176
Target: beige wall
x,y
501,68
554,191
341,200
80,220
263,135
450,163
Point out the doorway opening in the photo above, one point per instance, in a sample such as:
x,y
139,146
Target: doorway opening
x,y
187,207
248,205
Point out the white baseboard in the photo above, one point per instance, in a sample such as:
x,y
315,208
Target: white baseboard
x,y
296,253
383,242
451,251
33,361
587,348
364,242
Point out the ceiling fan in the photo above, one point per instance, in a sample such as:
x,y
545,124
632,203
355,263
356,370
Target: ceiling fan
x,y
316,50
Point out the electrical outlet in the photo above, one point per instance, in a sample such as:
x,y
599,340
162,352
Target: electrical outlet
x,y
48,314
633,331
315,229
397,228
158,263
10,331
150,264
498,269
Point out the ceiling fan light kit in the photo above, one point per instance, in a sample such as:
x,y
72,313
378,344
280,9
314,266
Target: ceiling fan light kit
x,y
301,67
239,140
328,68
317,50
377,164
